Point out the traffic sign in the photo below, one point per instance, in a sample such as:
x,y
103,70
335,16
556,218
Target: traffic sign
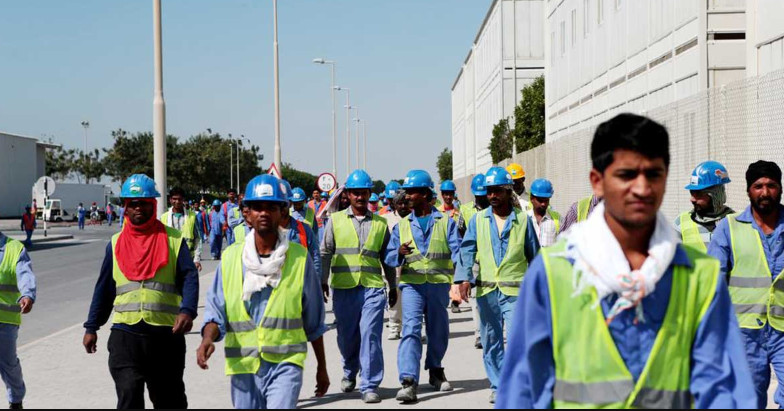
x,y
327,182
273,170
44,186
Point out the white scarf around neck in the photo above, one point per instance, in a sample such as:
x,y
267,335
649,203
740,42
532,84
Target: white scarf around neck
x,y
262,274
600,264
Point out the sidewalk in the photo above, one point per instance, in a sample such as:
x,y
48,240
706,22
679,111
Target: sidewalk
x,y
39,238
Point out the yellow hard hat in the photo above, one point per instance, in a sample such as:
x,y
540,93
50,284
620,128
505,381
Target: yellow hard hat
x,y
516,170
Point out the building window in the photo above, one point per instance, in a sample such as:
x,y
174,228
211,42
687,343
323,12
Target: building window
x,y
563,38
600,12
586,18
574,27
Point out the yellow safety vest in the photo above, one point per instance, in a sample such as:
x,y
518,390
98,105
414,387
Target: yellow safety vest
x,y
589,370
583,209
436,266
690,233
509,275
10,312
757,297
239,233
310,216
156,301
352,266
187,228
553,214
451,213
468,211
280,337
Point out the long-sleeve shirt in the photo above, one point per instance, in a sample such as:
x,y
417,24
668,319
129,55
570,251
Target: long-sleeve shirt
x,y
363,231
216,223
302,216
231,217
422,239
25,279
177,221
202,223
186,281
719,373
312,304
571,217
500,244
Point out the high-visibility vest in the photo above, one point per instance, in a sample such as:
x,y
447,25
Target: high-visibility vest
x,y
352,266
467,211
239,233
584,209
188,225
434,267
690,233
454,213
589,370
757,297
310,216
556,216
156,301
384,210
280,337
10,312
508,277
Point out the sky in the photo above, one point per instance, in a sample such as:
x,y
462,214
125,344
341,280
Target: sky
x,y
64,62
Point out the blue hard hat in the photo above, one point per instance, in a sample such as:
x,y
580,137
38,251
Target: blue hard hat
x,y
298,195
448,185
216,203
287,187
497,176
542,188
478,185
139,186
325,194
418,179
374,198
266,187
392,188
359,180
382,195
708,174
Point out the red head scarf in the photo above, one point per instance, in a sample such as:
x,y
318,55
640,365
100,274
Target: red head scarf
x,y
142,250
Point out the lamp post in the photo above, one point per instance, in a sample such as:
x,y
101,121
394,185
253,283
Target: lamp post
x,y
364,143
86,125
348,128
278,164
159,109
334,116
356,120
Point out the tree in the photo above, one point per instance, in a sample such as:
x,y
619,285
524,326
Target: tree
x,y
90,166
529,130
60,163
378,186
301,179
501,143
444,164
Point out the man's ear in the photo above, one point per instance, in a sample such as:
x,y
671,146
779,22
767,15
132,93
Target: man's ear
x,y
597,180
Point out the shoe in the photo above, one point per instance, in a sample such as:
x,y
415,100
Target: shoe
x,y
15,406
347,385
438,380
492,397
407,394
371,397
393,336
424,338
455,308
478,343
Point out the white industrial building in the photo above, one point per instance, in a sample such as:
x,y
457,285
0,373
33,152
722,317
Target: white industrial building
x,y
507,54
22,162
765,36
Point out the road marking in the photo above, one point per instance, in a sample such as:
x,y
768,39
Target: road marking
x,y
50,336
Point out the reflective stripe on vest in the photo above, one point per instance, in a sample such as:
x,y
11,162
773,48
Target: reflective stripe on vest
x,y
509,275
280,336
590,372
436,266
690,233
584,209
188,225
155,301
352,266
756,297
10,312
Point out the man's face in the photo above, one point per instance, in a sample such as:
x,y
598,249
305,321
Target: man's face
x,y
359,199
540,204
264,216
232,196
417,198
245,210
519,186
482,202
402,208
344,200
701,201
216,208
765,195
449,197
139,211
177,202
299,206
498,196
316,195
633,188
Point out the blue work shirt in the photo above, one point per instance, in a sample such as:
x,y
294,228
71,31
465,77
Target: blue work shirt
x,y
721,246
422,239
229,207
301,216
312,245
720,376
25,279
500,243
216,222
312,304
202,225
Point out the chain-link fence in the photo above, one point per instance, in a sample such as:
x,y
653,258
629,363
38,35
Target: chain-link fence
x,y
736,125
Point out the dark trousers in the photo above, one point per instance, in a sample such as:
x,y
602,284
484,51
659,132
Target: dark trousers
x,y
155,360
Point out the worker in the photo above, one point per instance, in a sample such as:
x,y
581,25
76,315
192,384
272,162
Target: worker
x,y
265,301
231,216
216,222
202,222
299,232
120,216
354,248
109,213
28,225
300,211
382,198
518,175
449,195
426,245
17,296
750,250
183,221
373,203
547,222
391,190
241,231
401,211
709,198
81,214
503,241
150,282
579,212
317,203
619,314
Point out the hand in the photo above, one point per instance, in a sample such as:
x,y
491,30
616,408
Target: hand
x,y
26,304
405,249
204,353
183,324
325,290
454,293
392,297
90,343
322,382
198,266
465,291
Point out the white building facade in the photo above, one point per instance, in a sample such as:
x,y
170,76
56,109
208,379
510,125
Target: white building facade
x,y
765,36
22,162
508,54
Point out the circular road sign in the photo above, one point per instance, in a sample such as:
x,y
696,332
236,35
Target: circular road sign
x,y
327,182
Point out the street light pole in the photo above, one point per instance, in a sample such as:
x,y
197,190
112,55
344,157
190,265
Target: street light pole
x,y
159,109
86,125
277,91
364,143
334,117
231,162
357,120
348,128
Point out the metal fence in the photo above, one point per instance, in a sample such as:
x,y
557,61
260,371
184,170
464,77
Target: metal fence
x,y
736,124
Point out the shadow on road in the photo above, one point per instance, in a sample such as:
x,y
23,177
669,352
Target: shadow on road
x,y
54,245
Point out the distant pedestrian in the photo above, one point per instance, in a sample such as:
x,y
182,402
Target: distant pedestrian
x,y
216,223
109,213
28,225
81,213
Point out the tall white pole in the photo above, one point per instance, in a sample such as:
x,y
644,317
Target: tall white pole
x,y
356,109
514,69
159,110
334,128
278,164
348,132
231,163
239,184
364,143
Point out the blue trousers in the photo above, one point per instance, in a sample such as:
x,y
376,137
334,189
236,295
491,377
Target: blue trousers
x,y
81,223
109,218
765,347
274,387
430,300
216,244
359,313
495,310
229,236
10,368
29,241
